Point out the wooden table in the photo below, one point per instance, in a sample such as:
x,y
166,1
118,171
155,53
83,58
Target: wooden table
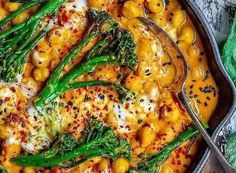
x,y
213,166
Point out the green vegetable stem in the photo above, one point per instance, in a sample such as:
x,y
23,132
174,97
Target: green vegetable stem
x,y
98,140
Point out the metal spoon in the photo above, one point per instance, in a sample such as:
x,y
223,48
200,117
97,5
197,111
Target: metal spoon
x,y
178,85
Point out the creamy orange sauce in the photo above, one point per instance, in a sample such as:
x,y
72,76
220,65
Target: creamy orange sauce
x,y
149,122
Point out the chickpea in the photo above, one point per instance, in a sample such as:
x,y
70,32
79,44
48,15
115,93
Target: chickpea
x,y
179,18
156,6
41,74
120,165
20,18
11,6
10,167
28,170
139,1
146,136
103,164
149,86
188,35
183,46
3,13
172,32
170,134
154,124
4,131
174,115
54,63
133,26
198,71
12,150
40,59
138,150
56,53
112,120
166,169
143,69
134,83
98,3
30,83
131,10
106,73
44,46
58,35
28,69
161,20
144,49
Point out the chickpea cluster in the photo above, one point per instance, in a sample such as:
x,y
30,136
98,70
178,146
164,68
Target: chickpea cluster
x,y
154,66
45,57
154,69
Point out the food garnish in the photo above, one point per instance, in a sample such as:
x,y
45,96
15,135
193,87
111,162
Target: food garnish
x,y
98,140
116,47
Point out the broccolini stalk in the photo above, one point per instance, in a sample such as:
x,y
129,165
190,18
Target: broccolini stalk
x,y
98,140
124,93
17,40
116,46
152,163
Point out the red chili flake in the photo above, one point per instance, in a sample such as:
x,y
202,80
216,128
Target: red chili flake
x,y
18,108
160,136
163,109
23,135
22,122
177,102
98,89
7,99
56,170
106,108
70,103
13,89
127,105
181,150
173,162
63,96
179,162
63,18
4,146
14,117
68,109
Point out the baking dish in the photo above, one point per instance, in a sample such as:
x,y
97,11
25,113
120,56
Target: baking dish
x,y
227,92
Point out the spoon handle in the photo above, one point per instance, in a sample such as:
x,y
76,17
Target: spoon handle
x,y
187,105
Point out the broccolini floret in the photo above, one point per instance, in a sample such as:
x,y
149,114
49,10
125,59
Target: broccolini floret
x,y
17,41
98,140
116,46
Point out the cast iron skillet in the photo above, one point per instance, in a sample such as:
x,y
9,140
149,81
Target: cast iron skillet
x,y
227,92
